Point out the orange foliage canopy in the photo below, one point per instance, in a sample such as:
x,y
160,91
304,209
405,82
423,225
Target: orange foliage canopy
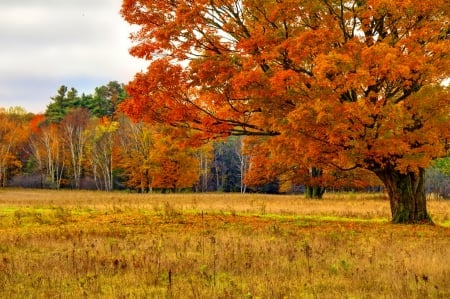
x,y
346,84
36,122
359,80
273,159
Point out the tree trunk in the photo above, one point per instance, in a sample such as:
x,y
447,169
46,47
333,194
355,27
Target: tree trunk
x,y
314,192
406,195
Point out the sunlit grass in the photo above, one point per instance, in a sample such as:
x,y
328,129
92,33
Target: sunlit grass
x,y
69,244
370,206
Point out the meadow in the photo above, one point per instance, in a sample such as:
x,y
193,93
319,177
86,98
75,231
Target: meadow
x,y
84,244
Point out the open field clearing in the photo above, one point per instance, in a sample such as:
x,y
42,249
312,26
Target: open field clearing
x,y
70,244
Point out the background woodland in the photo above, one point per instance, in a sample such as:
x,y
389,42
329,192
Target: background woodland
x,y
86,142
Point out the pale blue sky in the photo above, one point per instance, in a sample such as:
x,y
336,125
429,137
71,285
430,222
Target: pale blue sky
x,y
48,43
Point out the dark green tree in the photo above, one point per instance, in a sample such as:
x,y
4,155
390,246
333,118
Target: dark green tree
x,y
62,102
106,99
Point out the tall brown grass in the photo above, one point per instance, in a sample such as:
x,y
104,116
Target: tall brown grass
x,y
115,245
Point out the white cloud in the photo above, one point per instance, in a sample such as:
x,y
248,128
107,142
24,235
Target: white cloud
x,y
47,43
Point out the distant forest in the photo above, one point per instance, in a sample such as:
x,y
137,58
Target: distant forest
x,y
86,142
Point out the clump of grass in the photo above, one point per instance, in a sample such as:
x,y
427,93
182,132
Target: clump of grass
x,y
171,214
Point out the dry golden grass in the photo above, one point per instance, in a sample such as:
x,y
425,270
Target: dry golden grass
x,y
66,244
345,205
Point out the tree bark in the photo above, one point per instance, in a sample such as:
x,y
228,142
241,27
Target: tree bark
x,y
406,194
314,192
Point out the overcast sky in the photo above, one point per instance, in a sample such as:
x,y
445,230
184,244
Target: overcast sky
x,y
48,43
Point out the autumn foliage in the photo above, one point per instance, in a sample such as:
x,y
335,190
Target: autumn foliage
x,y
343,84
14,133
153,159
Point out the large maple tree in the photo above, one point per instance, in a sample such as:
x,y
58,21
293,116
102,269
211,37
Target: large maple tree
x,y
347,84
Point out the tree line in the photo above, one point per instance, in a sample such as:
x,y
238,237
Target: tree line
x,y
86,142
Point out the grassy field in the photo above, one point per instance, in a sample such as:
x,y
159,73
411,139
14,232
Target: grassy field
x,y
63,244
